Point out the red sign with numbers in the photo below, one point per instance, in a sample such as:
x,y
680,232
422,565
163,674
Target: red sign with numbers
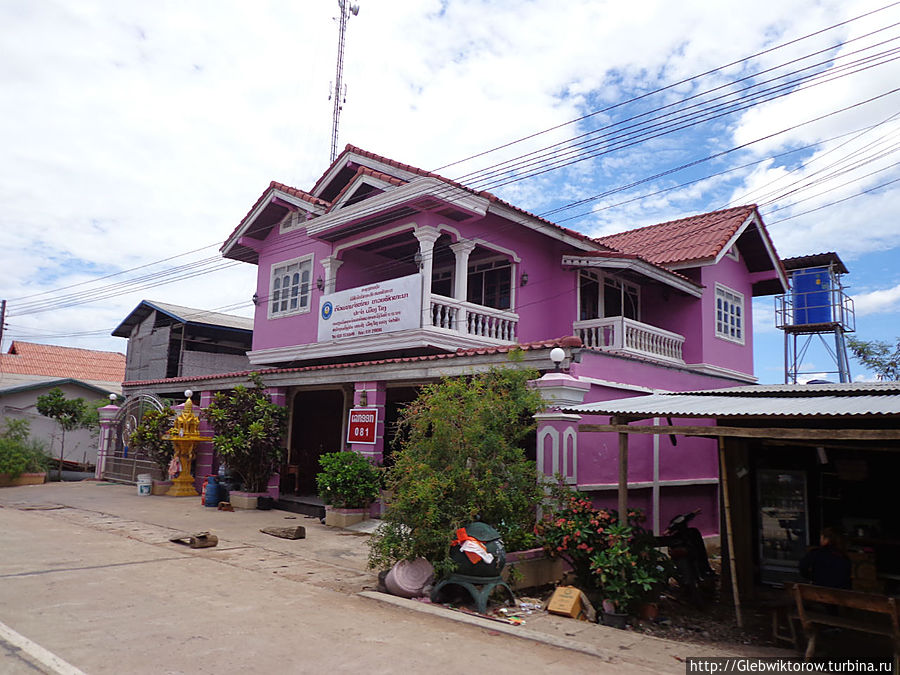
x,y
361,428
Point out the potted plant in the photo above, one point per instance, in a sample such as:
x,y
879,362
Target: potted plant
x,y
248,429
23,460
348,483
148,438
628,568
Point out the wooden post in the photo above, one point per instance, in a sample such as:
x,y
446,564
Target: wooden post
x,y
623,477
729,535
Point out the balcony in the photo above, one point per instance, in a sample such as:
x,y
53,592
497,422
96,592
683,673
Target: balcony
x,y
627,336
392,316
494,325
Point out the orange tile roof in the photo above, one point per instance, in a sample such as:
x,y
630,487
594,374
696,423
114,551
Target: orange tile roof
x,y
28,358
693,239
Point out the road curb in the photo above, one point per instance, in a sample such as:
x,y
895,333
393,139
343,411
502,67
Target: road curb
x,y
488,624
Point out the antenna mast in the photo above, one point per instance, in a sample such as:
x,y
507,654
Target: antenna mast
x,y
340,98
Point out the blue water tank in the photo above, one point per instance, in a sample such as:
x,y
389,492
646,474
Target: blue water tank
x,y
812,295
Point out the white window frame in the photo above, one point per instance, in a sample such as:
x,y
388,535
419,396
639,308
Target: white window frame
x,y
623,286
730,314
282,269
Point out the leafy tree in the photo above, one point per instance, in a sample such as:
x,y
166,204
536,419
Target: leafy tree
x,y
148,437
881,357
69,413
248,432
460,458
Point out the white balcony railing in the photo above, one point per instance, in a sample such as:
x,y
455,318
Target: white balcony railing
x,y
630,337
471,319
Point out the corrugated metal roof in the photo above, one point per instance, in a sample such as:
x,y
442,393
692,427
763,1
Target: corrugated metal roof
x,y
182,315
793,390
841,400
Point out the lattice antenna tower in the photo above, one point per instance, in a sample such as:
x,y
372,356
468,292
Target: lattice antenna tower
x,y
339,95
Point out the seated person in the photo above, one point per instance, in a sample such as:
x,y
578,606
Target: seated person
x,y
827,565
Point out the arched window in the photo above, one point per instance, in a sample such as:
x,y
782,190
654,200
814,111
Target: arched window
x,y
290,287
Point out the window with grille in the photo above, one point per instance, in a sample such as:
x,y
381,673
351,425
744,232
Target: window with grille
x,y
729,314
289,288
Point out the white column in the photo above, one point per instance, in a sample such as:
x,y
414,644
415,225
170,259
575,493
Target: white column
x,y
426,235
330,265
107,438
461,249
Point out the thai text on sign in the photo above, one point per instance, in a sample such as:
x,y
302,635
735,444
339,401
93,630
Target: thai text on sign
x,y
362,425
382,307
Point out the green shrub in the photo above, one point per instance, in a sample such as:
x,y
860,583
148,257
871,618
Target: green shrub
x,y
460,459
347,480
19,453
248,432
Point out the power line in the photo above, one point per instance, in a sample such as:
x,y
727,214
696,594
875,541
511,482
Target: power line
x,y
195,269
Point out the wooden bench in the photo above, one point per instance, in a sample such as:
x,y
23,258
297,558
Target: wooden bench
x,y
866,612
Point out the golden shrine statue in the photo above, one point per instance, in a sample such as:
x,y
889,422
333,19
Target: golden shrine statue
x,y
185,434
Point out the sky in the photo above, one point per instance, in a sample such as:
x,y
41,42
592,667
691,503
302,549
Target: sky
x,y
135,136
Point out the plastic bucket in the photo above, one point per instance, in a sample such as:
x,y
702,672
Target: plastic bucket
x,y
144,484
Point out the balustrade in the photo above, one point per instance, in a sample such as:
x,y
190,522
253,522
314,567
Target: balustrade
x,y
626,335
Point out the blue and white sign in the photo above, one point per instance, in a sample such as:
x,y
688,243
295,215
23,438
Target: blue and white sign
x,y
382,307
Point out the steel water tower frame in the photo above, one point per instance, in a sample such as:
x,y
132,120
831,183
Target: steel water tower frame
x,y
816,307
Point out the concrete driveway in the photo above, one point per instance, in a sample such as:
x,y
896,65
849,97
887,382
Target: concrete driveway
x,y
89,582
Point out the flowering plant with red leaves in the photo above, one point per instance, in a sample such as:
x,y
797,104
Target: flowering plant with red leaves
x,y
620,562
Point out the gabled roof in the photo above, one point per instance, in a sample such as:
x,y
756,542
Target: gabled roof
x,y
29,358
179,314
695,239
703,239
278,200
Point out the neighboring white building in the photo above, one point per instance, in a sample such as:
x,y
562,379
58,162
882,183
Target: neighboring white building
x,y
29,370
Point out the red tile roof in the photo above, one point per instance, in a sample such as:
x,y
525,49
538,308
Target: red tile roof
x,y
693,239
28,358
568,341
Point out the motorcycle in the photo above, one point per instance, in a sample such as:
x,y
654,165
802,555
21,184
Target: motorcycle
x,y
688,554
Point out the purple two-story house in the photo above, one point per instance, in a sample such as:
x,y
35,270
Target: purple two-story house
x,y
383,277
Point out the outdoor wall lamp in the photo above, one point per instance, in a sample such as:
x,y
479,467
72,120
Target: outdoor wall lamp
x,y
255,298
557,355
363,398
320,284
417,259
523,280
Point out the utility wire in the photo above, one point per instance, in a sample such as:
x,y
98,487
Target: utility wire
x,y
178,276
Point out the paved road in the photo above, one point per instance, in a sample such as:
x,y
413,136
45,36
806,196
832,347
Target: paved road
x,y
88,577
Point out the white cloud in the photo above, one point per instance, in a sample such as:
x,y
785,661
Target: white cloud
x,y
884,301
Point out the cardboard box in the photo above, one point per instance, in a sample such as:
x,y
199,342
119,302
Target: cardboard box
x,y
566,601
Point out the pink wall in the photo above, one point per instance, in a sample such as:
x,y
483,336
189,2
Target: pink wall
x,y
299,328
547,304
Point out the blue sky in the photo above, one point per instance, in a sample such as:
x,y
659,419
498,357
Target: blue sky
x,y
135,132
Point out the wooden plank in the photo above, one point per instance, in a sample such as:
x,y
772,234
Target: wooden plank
x,y
750,432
